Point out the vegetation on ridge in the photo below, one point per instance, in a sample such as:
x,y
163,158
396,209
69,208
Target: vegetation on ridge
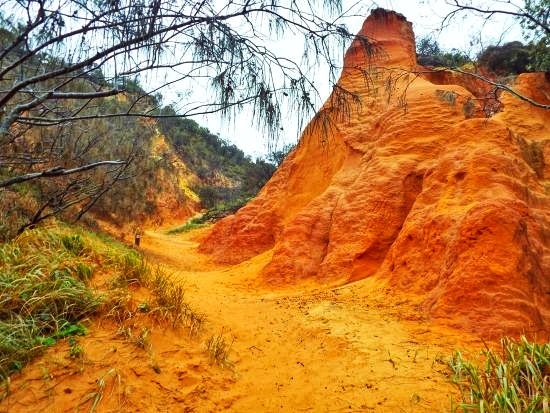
x,y
69,73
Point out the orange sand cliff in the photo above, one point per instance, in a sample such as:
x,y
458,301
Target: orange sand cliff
x,y
435,213
414,187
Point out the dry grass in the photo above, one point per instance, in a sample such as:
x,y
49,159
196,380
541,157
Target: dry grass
x,y
97,395
218,350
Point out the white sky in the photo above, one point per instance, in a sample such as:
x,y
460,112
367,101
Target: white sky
x,y
426,17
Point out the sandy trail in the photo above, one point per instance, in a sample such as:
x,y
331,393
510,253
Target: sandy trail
x,y
309,348
303,348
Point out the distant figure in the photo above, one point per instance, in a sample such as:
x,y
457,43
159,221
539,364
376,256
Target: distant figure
x,y
137,238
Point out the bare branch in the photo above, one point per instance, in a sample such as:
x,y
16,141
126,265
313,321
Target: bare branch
x,y
55,171
543,24
505,88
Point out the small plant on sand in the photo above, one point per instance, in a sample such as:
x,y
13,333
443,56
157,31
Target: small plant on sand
x,y
143,339
101,383
516,380
218,350
171,303
75,350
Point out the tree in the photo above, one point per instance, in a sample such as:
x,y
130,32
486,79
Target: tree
x,y
66,63
510,58
534,18
429,53
278,156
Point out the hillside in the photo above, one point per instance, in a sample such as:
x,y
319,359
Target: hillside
x,y
164,171
444,206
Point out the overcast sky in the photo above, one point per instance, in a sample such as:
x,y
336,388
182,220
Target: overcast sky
x,y
464,33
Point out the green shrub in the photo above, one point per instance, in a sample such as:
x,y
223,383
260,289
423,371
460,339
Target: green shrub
x,y
516,380
214,214
43,295
510,58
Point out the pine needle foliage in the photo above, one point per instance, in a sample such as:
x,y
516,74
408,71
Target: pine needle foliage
x,y
66,66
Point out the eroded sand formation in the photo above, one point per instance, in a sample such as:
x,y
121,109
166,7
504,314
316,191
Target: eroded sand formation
x,y
416,186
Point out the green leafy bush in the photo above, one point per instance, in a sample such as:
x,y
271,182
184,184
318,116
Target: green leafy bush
x,y
510,58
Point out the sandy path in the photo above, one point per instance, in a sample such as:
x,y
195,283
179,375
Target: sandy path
x,y
310,349
299,349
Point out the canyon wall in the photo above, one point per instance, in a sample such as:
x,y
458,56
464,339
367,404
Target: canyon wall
x,y
405,175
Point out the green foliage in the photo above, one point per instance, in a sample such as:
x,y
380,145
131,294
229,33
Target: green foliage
x,y
516,380
537,31
190,225
73,243
510,58
75,351
45,296
42,294
44,291
277,157
214,214
539,53
429,53
71,118
226,173
427,46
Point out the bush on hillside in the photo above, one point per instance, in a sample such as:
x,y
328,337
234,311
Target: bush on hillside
x,y
510,58
429,53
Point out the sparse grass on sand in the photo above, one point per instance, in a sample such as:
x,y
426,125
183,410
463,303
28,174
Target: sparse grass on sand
x,y
192,224
218,350
46,294
516,379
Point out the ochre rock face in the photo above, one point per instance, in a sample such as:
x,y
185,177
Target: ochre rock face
x,y
413,185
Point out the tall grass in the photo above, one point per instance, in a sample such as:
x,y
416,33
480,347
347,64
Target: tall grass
x,y
516,379
45,291
43,294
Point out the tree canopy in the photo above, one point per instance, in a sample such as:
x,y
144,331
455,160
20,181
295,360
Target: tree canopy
x,y
66,64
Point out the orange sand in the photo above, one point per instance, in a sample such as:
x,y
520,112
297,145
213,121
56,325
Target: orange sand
x,y
412,187
352,348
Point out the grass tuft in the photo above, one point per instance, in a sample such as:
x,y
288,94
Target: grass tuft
x,y
46,296
218,350
43,294
516,380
